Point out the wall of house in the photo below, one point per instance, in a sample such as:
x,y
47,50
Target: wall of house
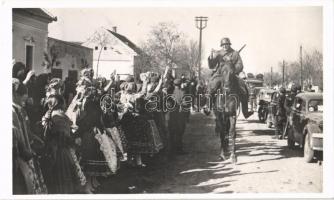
x,y
28,31
69,56
116,56
105,68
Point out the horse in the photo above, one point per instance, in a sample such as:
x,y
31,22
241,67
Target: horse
x,y
223,87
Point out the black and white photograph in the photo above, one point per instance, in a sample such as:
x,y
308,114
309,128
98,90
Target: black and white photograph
x,y
218,99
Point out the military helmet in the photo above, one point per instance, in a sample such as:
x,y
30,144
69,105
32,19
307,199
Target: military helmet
x,y
225,41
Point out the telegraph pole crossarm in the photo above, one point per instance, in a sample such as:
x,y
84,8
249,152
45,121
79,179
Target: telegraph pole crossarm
x,y
201,23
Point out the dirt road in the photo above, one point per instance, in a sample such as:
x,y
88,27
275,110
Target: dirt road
x,y
264,165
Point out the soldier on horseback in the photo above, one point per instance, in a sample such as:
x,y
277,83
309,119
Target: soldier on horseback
x,y
216,61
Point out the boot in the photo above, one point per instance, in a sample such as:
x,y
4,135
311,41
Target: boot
x,y
244,106
243,96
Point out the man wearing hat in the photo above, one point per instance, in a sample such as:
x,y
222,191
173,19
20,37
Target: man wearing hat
x,y
217,60
280,114
295,89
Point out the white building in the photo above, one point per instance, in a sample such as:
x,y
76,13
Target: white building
x,y
118,54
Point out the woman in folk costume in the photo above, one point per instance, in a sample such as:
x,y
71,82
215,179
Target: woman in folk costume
x,y
98,149
61,167
27,176
153,106
110,119
135,123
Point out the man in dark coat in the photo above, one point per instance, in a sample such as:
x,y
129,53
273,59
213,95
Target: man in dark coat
x,y
280,114
228,55
178,118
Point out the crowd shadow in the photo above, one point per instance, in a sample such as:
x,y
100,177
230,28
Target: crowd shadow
x,y
199,171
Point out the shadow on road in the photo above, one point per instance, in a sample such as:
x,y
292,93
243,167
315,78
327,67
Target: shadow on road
x,y
199,171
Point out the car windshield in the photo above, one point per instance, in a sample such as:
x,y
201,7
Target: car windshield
x,y
315,105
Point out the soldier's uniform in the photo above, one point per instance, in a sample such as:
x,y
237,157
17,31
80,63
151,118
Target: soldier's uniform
x,y
232,57
252,96
280,114
295,89
290,98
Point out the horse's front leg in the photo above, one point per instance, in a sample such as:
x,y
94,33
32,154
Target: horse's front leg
x,y
233,135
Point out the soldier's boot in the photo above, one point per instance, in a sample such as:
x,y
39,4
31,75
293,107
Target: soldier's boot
x,y
244,106
244,96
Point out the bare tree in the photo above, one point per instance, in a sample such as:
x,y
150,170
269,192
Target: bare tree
x,y
163,44
276,78
312,71
101,38
313,68
188,57
167,46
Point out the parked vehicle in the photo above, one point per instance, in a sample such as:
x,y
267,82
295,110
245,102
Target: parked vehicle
x,y
305,124
264,98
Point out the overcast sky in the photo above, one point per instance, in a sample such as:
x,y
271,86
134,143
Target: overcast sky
x,y
271,33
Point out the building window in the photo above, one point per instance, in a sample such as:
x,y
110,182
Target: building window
x,y
96,48
105,48
29,56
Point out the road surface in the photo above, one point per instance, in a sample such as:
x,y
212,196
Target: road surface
x,y
265,164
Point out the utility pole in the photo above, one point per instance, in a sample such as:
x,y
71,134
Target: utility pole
x,y
271,77
283,84
301,66
201,23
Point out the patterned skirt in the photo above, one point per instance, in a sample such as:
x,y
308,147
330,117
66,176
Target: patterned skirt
x,y
142,134
99,156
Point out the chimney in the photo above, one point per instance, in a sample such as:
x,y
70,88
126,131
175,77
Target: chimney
x,y
114,29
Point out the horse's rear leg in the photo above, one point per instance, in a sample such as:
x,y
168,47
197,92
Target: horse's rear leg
x,y
232,131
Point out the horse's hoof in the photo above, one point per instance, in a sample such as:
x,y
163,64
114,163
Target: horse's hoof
x,y
234,159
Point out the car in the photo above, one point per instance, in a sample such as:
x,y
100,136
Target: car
x,y
264,98
305,124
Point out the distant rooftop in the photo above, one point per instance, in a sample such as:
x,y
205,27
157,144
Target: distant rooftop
x,y
37,12
126,41
75,44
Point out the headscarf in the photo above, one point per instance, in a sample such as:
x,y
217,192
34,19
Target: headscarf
x,y
55,87
17,71
131,87
88,73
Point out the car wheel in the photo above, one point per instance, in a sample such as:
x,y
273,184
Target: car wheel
x,y
291,142
308,151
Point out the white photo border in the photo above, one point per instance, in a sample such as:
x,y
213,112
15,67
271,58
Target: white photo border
x,y
6,62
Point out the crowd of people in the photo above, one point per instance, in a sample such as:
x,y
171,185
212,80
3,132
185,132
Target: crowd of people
x,y
66,134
